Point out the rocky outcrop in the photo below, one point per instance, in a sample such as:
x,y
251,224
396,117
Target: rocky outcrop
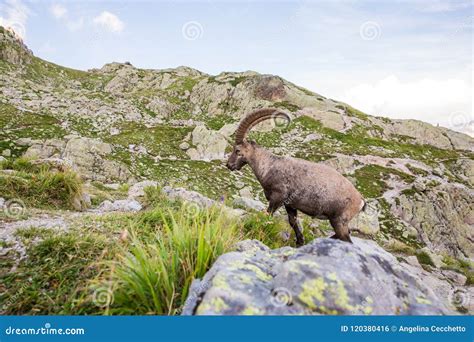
x,y
425,134
249,203
12,48
210,145
466,169
443,216
50,148
367,221
87,156
324,277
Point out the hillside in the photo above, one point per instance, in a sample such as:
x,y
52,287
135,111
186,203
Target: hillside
x,y
119,126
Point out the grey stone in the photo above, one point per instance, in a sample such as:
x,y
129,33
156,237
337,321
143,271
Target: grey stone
x,y
249,203
138,189
128,205
210,145
367,221
326,276
443,217
184,146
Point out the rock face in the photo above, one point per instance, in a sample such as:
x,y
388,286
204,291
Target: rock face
x,y
324,277
210,145
12,48
87,156
435,212
367,221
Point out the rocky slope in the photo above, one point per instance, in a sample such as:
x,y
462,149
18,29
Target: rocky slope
x,y
121,125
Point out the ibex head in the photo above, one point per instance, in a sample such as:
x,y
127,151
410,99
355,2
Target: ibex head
x,y
244,150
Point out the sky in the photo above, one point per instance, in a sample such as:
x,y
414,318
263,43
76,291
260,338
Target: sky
x,y
407,59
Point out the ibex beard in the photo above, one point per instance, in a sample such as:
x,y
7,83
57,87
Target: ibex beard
x,y
315,189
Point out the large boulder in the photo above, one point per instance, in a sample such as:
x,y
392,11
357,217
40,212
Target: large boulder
x,y
425,133
326,276
45,149
89,158
210,145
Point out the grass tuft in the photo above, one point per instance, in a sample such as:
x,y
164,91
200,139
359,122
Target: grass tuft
x,y
39,186
167,250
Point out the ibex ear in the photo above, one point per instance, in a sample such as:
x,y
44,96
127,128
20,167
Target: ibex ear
x,y
253,143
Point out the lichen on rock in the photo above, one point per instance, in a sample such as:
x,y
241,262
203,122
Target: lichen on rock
x,y
324,277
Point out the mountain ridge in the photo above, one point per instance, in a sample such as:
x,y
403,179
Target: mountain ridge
x,y
121,128
107,68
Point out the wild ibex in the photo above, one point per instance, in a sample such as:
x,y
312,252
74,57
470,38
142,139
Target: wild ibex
x,y
312,188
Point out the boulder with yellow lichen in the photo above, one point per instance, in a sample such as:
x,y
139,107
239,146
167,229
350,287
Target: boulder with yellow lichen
x,y
325,276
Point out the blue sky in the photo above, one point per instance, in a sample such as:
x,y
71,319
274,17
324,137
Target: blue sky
x,y
403,59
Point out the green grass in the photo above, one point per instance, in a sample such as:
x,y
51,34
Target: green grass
x,y
287,105
424,258
370,179
265,228
161,140
218,121
164,256
461,266
55,276
139,263
38,186
15,124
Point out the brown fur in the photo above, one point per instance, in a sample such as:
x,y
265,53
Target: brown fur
x,y
312,188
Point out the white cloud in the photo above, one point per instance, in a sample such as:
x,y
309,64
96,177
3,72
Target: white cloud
x,y
14,14
61,13
443,102
58,11
109,21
